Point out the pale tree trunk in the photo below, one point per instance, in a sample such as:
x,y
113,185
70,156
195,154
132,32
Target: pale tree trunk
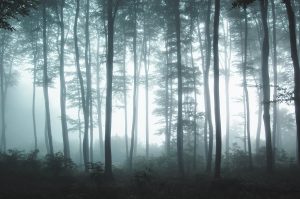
x,y
266,84
248,121
208,116
64,125
99,102
79,74
34,94
85,144
204,96
45,80
134,104
167,132
217,91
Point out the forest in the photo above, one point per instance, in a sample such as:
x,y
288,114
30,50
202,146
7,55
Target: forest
x,y
149,99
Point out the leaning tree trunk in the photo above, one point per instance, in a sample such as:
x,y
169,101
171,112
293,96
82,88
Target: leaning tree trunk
x,y
295,59
46,79
266,83
217,91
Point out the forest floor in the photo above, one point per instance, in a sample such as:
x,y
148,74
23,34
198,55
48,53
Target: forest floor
x,y
255,184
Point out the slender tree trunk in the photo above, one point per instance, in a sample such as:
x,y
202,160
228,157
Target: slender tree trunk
x,y
146,65
85,143
109,75
79,74
2,76
203,70
34,94
248,122
295,59
266,84
217,91
179,76
206,87
275,105
166,76
63,84
45,79
99,102
134,111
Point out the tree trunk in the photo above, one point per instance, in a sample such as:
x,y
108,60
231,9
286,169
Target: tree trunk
x,y
166,76
109,75
64,125
295,59
248,122
46,79
179,76
266,84
206,87
3,122
275,105
85,143
134,104
79,74
34,94
217,91
99,103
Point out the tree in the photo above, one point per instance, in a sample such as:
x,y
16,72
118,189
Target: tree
x,y
216,91
111,14
295,59
62,81
46,79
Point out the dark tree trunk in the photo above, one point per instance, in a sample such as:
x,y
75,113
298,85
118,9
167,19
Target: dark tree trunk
x,y
217,91
64,125
295,59
275,105
179,76
109,75
266,83
46,79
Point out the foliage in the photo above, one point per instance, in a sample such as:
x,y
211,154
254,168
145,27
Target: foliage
x,y
58,163
11,9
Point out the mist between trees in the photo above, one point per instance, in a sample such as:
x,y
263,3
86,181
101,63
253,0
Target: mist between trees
x,y
209,85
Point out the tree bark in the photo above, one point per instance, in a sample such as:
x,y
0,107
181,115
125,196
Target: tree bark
x,y
295,59
266,84
206,87
46,79
134,104
64,125
248,122
217,91
109,75
179,76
